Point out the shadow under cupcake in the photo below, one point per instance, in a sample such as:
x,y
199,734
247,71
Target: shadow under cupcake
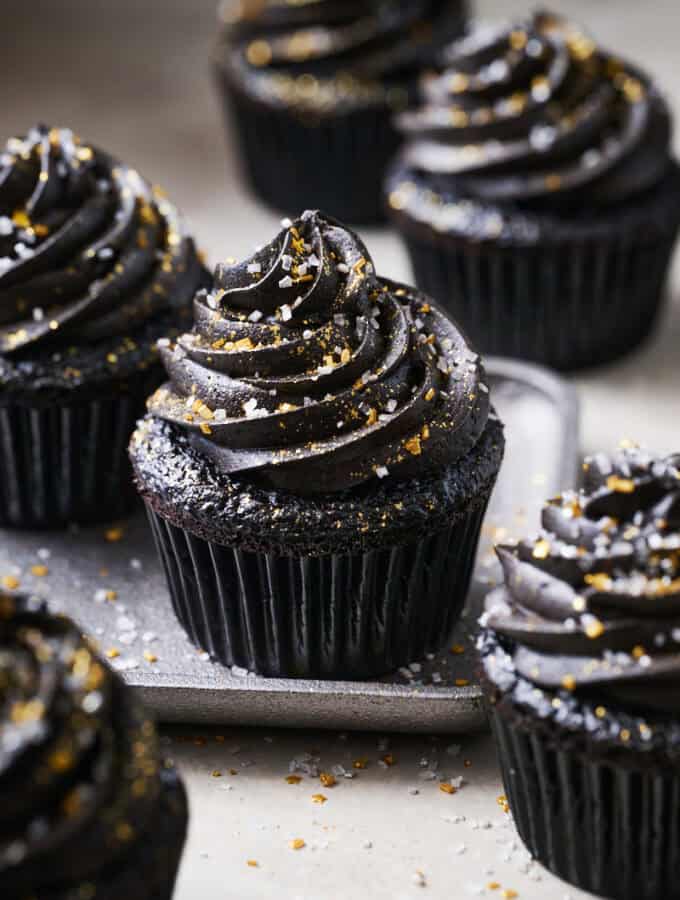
x,y
318,466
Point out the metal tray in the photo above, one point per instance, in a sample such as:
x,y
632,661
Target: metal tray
x,y
112,584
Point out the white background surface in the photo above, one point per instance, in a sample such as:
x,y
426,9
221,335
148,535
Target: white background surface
x,y
132,76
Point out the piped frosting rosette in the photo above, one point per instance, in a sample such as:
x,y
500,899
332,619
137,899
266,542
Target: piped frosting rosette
x,y
88,249
531,116
306,371
592,604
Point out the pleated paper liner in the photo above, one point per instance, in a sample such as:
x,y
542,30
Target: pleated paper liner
x,y
333,163
68,462
566,306
336,616
610,827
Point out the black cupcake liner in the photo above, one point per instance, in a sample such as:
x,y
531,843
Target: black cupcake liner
x,y
336,616
567,305
67,462
294,161
607,826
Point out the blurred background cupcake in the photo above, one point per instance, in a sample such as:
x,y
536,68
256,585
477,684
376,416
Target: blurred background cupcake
x,y
318,466
312,89
581,669
89,808
95,265
538,194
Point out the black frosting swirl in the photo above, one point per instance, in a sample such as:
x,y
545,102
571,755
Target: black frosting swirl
x,y
88,249
534,117
592,605
324,52
307,372
79,762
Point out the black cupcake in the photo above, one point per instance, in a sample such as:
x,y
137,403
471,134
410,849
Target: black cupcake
x,y
538,195
94,267
317,469
581,660
88,808
312,88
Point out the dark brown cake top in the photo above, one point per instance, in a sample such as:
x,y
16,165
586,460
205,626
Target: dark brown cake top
x,y
306,371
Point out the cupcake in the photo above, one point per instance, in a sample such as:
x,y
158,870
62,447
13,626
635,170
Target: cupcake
x,y
538,194
95,265
88,808
581,665
317,468
311,89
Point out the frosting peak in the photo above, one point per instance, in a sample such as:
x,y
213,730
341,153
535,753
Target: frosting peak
x,y
535,115
308,372
592,604
88,249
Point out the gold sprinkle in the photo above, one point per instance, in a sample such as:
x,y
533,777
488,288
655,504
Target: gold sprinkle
x,y
569,683
327,780
39,571
600,712
638,651
319,798
447,788
430,395
594,629
205,428
509,894
20,219
493,885
457,649
553,182
293,779
620,485
360,763
458,83
150,657
124,831
633,90
518,39
111,358
259,53
462,682
625,735
297,844
253,863
389,759
216,773
10,582
502,801
112,653
413,445
113,535
372,417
